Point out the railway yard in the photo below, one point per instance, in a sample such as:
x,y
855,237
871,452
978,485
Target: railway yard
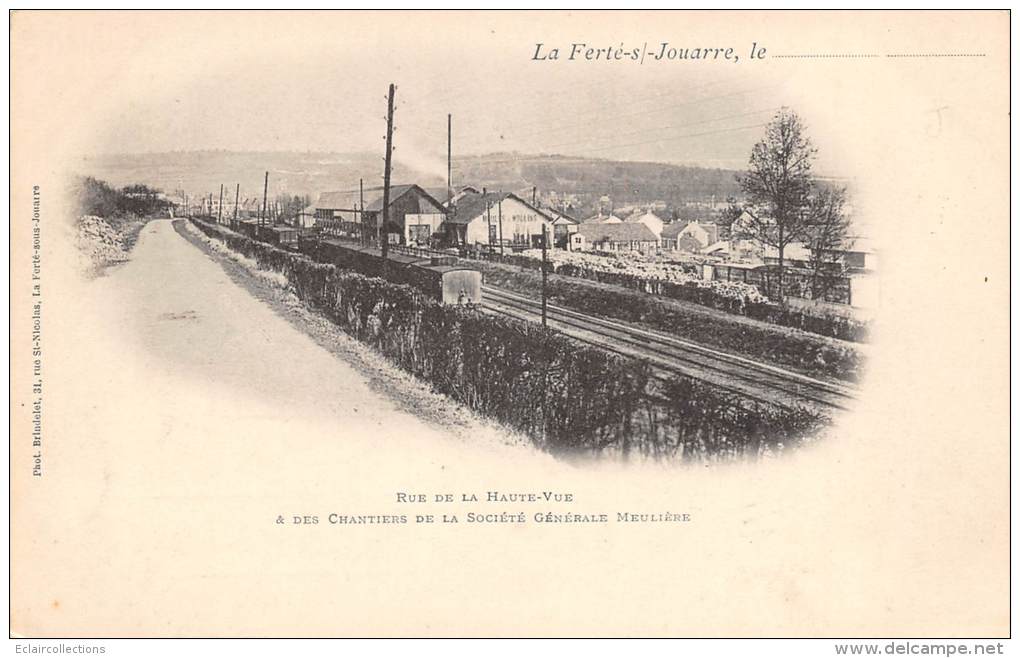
x,y
669,355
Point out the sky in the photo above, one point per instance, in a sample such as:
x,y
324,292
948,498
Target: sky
x,y
308,89
685,120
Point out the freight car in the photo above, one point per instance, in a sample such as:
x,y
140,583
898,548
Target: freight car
x,y
281,235
439,276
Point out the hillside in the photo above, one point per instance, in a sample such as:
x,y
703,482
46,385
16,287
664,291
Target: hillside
x,y
625,182
201,172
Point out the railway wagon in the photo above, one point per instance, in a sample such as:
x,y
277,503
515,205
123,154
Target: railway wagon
x,y
439,277
449,284
280,235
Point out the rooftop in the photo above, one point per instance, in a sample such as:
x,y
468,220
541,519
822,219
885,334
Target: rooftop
x,y
628,232
473,205
351,199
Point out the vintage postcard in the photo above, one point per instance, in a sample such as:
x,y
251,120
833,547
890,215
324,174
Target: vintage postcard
x,y
510,324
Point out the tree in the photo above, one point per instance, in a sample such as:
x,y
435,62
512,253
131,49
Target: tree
x,y
778,184
95,197
291,205
827,237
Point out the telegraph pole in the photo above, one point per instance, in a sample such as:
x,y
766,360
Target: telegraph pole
x,y
265,199
449,160
544,275
237,196
488,218
386,175
219,210
361,215
499,212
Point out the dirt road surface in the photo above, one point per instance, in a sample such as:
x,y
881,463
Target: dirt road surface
x,y
188,314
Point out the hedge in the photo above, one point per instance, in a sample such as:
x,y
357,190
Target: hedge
x,y
832,325
695,420
810,354
567,396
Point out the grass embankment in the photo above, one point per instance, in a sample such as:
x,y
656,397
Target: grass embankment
x,y
798,350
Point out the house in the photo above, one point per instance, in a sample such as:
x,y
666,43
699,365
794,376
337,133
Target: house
x,y
630,236
493,218
603,219
654,223
463,192
705,234
688,244
670,236
563,226
690,236
338,207
414,214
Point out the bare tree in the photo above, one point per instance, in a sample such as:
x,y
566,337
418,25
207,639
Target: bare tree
x,y
828,238
778,184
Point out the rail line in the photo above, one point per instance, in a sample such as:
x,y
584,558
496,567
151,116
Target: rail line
x,y
752,380
733,373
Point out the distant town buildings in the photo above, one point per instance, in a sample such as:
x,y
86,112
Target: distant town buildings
x,y
619,236
652,221
474,218
601,218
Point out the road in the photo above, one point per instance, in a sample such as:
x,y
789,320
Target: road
x,y
670,355
180,323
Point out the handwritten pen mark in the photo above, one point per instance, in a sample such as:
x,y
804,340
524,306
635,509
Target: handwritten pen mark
x,y
938,115
184,315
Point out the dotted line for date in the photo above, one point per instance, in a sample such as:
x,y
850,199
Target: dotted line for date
x,y
864,56
824,56
942,55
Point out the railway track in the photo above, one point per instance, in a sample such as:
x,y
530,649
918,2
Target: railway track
x,y
669,355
